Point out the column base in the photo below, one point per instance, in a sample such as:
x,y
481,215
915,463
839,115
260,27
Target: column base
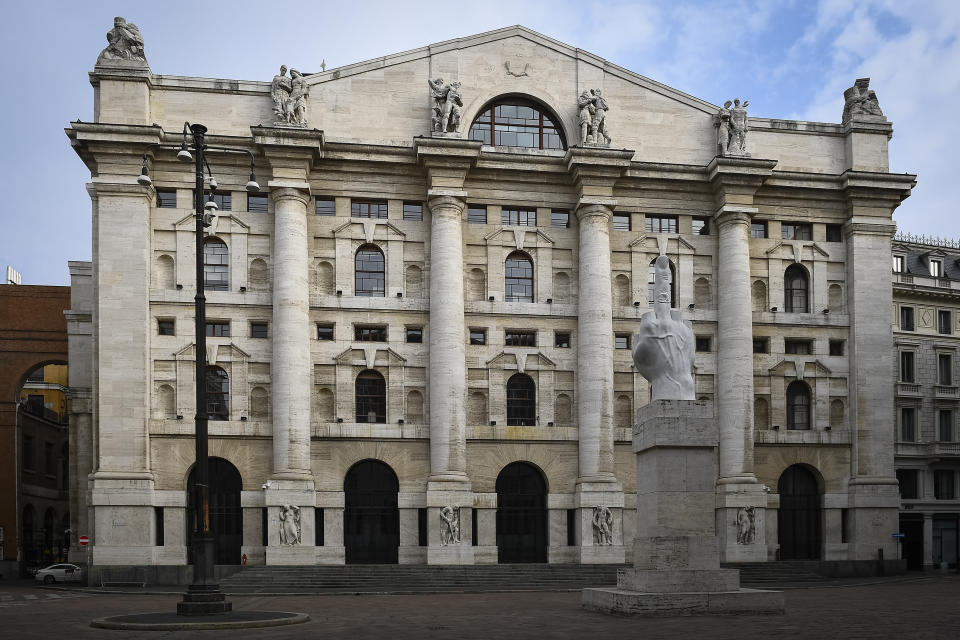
x,y
204,601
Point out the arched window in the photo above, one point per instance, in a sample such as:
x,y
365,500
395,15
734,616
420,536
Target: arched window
x,y
216,265
798,406
795,289
651,279
521,401
370,275
518,278
371,397
218,394
517,122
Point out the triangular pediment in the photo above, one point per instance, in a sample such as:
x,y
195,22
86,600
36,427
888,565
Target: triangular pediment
x,y
799,368
517,237
521,360
369,356
367,230
224,224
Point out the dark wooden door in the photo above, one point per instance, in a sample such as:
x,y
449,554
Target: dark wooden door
x,y
226,516
521,514
799,517
371,519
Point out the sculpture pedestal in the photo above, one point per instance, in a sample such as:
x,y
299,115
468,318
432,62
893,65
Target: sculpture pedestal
x,y
676,550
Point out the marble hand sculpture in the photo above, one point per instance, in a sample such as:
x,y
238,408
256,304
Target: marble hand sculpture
x,y
664,348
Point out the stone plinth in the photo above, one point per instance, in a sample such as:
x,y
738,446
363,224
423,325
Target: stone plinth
x,y
676,552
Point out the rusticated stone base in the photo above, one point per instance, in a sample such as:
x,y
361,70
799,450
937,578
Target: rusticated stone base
x,y
636,603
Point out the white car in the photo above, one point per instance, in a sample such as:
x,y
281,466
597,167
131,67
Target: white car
x,y
59,573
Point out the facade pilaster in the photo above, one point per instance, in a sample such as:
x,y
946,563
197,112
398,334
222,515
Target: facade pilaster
x,y
928,541
735,181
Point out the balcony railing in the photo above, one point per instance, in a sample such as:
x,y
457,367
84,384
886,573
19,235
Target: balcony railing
x,y
945,391
908,389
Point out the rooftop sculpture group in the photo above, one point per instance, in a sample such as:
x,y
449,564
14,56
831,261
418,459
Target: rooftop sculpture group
x,y
860,103
732,129
447,106
124,44
289,97
592,116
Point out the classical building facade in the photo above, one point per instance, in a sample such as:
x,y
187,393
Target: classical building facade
x,y
420,328
926,295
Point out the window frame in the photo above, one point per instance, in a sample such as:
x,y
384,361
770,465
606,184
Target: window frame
x,y
941,325
482,337
411,215
945,425
944,484
370,333
944,369
759,229
833,233
324,211
762,340
671,223
621,340
473,214
799,413
907,430
562,339
365,276
323,327
518,216
166,323
519,337
622,222
935,267
258,208
375,398
487,121
907,356
521,402
899,263
704,229
799,231
513,281
216,263
561,223
357,206
914,483
837,347
700,341
217,329
223,393
166,203
254,330
908,318
793,295
415,332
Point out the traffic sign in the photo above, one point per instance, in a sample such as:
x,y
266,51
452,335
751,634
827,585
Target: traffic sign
x,y
898,535
83,540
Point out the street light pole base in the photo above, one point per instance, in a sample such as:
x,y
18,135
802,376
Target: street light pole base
x,y
200,601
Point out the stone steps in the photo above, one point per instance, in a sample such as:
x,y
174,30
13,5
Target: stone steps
x,y
775,572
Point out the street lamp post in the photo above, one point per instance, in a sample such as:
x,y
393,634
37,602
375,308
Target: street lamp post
x,y
203,596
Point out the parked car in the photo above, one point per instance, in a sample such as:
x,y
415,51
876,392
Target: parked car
x,y
59,573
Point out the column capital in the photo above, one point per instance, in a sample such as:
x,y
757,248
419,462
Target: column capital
x,y
447,160
595,170
289,190
290,152
595,207
733,214
446,202
736,180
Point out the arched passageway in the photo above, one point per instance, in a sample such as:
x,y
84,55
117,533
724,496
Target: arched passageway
x,y
371,519
521,514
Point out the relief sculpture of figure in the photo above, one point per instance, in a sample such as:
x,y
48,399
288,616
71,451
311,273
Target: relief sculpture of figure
x,y
289,525
664,347
447,106
124,42
746,525
280,92
860,102
297,102
449,526
602,526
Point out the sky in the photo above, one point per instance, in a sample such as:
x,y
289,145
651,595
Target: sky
x,y
790,58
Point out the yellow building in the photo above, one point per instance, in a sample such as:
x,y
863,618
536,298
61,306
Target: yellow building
x,y
45,391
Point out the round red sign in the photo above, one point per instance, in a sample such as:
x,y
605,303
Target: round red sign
x,y
84,541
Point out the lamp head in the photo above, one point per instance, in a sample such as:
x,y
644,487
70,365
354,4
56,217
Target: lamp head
x,y
184,154
213,183
210,205
144,178
252,186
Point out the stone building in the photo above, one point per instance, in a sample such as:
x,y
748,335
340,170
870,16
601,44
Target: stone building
x,y
420,328
926,318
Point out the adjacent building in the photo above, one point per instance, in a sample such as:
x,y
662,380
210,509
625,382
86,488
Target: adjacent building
x,y
419,329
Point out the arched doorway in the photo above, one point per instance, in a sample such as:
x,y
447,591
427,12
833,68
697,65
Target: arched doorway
x,y
226,517
799,517
371,519
521,514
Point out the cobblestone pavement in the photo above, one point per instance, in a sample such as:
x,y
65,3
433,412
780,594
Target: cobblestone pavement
x,y
927,607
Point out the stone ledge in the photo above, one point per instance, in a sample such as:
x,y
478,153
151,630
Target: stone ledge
x,y
739,602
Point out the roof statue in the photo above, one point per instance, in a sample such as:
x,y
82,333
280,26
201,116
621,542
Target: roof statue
x,y
732,129
592,110
860,103
124,45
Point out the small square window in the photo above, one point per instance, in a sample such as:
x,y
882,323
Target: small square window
x,y
797,347
167,198
701,226
944,321
761,345
415,335
325,207
703,344
906,319
621,222
514,338
660,224
758,229
368,209
836,347
898,264
476,214
561,339
621,341
936,268
909,486
413,211
324,332
165,328
218,329
258,202
834,233
519,217
560,219
795,231
258,329
478,336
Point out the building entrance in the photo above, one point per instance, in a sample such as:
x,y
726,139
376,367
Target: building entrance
x,y
798,520
226,517
371,519
521,514
912,542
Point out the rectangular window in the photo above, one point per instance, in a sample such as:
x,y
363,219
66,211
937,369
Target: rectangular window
x,y
761,345
909,483
703,344
158,526
945,425
907,371
218,329
514,338
415,335
795,231
936,268
621,222
413,211
944,369
519,217
370,334
944,321
49,462
898,262
701,226
422,527
166,198
224,201
621,341
258,329
476,215
660,224
258,202
943,484
166,327
834,233
908,424
368,209
758,229
318,527
561,339
906,318
324,332
325,207
836,347
560,219
478,336
797,347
